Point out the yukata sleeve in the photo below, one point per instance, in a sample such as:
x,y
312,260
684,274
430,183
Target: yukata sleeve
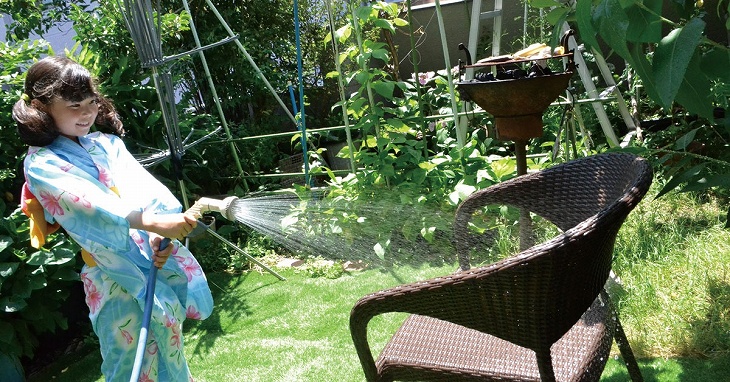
x,y
90,212
137,184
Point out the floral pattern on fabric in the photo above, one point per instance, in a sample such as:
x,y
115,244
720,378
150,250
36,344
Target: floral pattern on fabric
x,y
76,183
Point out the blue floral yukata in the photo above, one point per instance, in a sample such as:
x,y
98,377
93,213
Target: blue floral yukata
x,y
89,188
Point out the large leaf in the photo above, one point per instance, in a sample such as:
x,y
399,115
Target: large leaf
x,y
66,274
685,140
645,25
384,88
583,18
644,70
695,92
705,182
672,58
715,64
7,269
612,24
684,177
5,242
55,257
12,304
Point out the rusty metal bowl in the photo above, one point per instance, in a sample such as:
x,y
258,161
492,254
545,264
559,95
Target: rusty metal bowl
x,y
517,104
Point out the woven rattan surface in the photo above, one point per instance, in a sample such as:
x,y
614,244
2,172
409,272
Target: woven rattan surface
x,y
529,300
449,352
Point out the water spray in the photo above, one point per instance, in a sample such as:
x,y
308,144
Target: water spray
x,y
226,207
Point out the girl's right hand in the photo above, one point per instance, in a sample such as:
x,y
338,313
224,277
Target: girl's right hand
x,y
174,226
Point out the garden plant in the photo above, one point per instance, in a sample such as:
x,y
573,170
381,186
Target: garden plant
x,y
672,255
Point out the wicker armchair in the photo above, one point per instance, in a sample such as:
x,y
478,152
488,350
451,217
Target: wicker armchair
x,y
539,315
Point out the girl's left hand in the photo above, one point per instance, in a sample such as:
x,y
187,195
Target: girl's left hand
x,y
159,258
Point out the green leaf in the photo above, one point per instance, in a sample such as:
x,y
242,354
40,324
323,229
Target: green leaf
x,y
379,251
461,192
7,269
719,180
399,22
672,57
544,3
428,233
385,24
12,304
7,332
695,92
613,23
554,16
681,178
645,25
503,168
384,88
66,274
381,54
344,32
685,140
5,242
362,77
644,69
57,256
715,64
583,12
363,13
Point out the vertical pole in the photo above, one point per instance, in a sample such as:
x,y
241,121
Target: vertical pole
x,y
497,29
476,12
526,240
416,75
302,119
250,60
590,87
214,94
341,85
460,131
364,68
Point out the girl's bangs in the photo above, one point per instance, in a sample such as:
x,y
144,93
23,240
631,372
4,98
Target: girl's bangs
x,y
76,84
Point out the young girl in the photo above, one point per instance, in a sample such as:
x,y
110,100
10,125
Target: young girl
x,y
89,184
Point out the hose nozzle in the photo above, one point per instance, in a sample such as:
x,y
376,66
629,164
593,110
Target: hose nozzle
x,y
205,204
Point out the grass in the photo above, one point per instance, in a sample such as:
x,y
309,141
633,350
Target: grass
x,y
672,256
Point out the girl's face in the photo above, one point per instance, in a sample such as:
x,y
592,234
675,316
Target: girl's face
x,y
73,118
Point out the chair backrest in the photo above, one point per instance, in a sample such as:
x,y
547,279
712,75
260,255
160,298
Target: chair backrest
x,y
536,296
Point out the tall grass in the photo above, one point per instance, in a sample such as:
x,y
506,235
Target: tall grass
x,y
673,259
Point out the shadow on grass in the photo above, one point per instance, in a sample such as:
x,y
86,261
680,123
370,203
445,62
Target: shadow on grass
x,y
236,307
711,335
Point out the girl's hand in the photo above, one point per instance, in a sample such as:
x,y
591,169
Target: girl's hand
x,y
159,257
174,226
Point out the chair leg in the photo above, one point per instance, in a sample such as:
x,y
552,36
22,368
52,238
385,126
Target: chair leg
x,y
545,365
625,349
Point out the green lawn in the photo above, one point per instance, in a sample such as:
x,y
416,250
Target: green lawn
x,y
297,330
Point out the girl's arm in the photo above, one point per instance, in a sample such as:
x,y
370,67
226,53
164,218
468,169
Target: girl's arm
x,y
174,226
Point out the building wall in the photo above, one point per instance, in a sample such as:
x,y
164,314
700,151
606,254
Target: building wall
x,y
456,16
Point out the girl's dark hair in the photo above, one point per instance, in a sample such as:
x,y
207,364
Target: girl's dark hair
x,y
59,77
